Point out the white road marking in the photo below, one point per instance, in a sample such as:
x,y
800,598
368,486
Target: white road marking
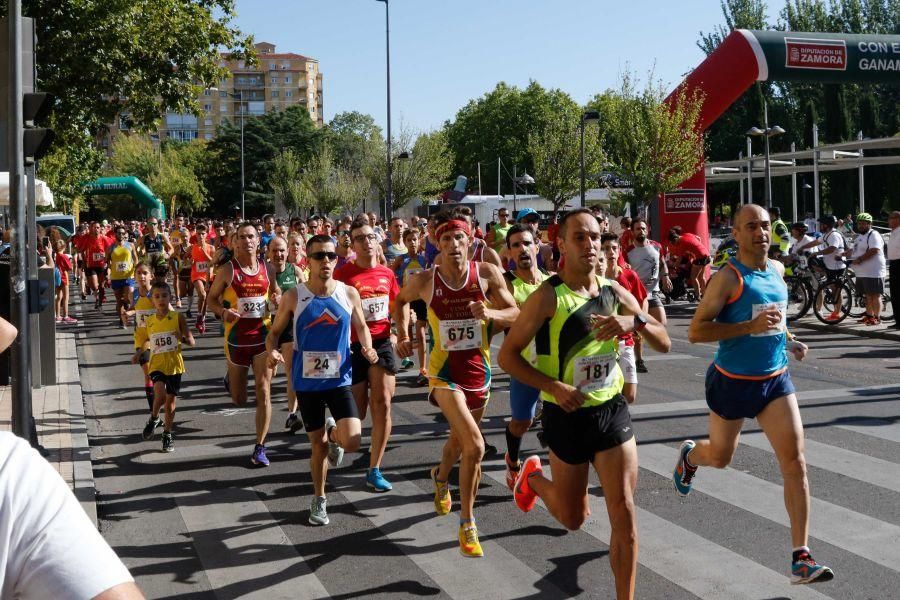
x,y
878,428
430,541
859,534
857,466
686,559
244,552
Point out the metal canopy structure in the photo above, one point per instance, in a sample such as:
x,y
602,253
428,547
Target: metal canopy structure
x,y
822,159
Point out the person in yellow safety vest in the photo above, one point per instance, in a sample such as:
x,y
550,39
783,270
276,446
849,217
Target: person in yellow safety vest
x,y
781,233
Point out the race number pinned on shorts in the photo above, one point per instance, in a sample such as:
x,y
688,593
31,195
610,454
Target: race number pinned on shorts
x,y
592,373
99,257
375,309
163,342
321,365
141,316
123,267
461,334
782,308
252,307
202,267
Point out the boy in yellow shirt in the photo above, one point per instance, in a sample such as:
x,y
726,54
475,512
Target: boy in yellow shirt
x,y
166,330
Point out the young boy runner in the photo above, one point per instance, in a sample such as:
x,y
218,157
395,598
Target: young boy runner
x,y
166,330
321,312
143,308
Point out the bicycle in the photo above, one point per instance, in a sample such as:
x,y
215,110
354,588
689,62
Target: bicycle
x,y
834,299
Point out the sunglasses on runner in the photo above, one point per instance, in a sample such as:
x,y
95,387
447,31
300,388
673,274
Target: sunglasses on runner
x,y
329,256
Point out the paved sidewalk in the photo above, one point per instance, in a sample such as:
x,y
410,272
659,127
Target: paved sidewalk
x,y
885,331
59,418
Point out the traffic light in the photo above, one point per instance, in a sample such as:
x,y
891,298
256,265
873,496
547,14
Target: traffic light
x,y
38,296
35,107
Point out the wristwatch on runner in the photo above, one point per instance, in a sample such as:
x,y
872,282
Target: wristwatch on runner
x,y
639,322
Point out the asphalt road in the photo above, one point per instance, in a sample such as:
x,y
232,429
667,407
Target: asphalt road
x,y
202,523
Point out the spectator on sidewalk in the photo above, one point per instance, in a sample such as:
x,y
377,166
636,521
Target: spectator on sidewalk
x,y
867,261
48,546
893,255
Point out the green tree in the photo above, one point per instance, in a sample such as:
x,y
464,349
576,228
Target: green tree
x,y
265,136
498,125
425,174
556,152
658,144
355,138
71,162
176,182
287,184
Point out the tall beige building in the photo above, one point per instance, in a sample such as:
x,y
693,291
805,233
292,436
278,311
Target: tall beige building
x,y
277,81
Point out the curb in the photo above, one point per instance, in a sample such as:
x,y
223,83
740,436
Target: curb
x,y
83,473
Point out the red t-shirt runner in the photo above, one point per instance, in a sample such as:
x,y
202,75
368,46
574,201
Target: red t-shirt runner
x,y
629,279
689,244
377,289
94,250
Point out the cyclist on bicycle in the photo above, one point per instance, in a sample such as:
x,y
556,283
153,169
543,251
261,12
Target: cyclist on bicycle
x,y
868,263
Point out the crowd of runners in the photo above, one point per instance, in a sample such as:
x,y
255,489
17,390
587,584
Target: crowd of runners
x,y
341,306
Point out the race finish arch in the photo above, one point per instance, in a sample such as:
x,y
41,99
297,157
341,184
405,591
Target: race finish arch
x,y
745,57
131,186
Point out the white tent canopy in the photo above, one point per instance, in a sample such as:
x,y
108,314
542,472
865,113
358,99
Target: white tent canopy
x,y
43,195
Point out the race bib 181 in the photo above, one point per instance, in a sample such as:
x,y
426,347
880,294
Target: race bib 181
x,y
594,373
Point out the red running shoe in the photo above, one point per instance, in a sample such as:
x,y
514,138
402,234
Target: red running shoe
x,y
524,496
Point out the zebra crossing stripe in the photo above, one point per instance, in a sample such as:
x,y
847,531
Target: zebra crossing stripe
x,y
240,545
685,558
857,466
406,516
858,534
880,428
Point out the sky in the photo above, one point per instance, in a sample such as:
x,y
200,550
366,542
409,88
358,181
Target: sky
x,y
447,52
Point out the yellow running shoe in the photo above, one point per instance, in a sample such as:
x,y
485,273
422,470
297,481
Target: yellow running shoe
x,y
442,501
468,540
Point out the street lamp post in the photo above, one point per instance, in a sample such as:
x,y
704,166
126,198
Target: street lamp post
x,y
389,199
767,133
588,116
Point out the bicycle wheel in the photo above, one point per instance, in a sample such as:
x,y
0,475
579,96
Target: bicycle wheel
x,y
832,302
800,297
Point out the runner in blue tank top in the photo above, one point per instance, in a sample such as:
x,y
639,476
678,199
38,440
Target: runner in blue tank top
x,y
744,310
321,312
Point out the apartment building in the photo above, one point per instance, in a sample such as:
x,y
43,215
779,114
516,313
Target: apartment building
x,y
277,81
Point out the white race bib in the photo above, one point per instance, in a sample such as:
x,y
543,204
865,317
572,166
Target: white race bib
x,y
123,267
163,342
141,316
202,267
592,373
253,307
461,334
782,308
375,309
321,365
99,256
